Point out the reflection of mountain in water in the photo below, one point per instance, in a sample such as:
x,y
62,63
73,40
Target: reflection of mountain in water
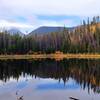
x,y
84,72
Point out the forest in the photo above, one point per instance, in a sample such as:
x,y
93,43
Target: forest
x,y
84,38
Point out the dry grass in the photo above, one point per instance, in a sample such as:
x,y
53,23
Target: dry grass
x,y
51,56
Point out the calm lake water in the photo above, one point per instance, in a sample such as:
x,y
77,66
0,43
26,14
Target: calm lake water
x,y
49,79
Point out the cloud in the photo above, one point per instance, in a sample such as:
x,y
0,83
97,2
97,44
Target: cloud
x,y
4,23
35,23
7,25
30,9
51,7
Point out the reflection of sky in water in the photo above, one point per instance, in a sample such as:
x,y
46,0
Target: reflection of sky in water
x,y
53,89
13,84
22,85
40,84
55,85
49,83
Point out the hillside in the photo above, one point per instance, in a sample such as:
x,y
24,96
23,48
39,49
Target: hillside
x,y
84,38
13,31
94,26
47,29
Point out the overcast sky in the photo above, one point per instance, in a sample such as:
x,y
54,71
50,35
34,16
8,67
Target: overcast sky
x,y
30,14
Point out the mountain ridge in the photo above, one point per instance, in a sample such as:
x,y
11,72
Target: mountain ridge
x,y
48,29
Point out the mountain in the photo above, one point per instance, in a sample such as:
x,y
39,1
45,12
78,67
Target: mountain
x,y
47,29
13,31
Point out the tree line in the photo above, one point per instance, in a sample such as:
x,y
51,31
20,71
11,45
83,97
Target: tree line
x,y
82,39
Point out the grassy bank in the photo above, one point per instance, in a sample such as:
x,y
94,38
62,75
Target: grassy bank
x,y
51,56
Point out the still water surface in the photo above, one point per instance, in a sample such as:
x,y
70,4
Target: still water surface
x,y
49,79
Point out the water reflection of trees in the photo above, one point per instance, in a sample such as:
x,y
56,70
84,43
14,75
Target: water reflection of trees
x,y
84,72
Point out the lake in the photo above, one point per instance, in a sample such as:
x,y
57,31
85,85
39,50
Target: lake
x,y
46,79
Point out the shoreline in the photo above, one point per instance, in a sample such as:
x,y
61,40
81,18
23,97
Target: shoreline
x,y
51,56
